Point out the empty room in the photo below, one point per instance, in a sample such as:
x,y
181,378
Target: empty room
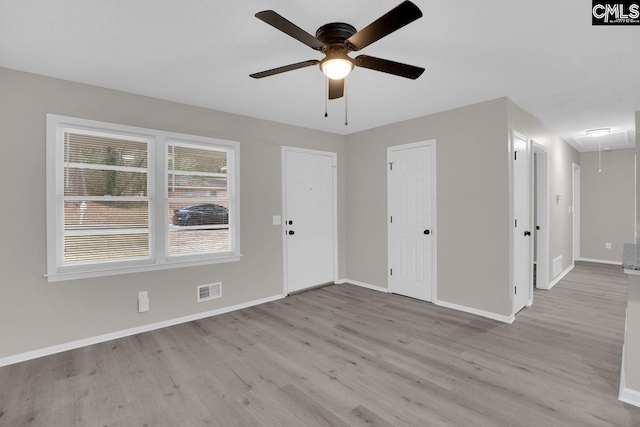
x,y
284,213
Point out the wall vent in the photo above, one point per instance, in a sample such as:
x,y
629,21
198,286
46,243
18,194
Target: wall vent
x,y
207,292
557,266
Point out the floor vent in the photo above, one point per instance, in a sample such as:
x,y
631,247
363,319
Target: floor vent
x,y
207,292
557,266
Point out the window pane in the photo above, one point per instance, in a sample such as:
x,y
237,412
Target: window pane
x,y
196,172
104,150
103,247
193,186
98,231
188,241
107,214
91,182
196,159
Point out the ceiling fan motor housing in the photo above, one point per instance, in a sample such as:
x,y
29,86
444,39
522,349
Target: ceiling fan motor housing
x,y
335,33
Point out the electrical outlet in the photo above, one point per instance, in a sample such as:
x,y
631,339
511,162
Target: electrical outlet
x,y
143,301
608,245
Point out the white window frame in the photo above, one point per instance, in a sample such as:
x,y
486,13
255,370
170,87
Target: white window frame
x,y
157,184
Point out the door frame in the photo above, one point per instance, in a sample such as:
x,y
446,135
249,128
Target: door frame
x,y
542,203
434,228
575,210
515,134
334,160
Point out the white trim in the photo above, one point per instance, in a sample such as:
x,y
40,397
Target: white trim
x,y
600,261
487,314
434,223
283,168
632,272
157,142
22,357
626,395
560,276
363,285
575,209
542,174
60,277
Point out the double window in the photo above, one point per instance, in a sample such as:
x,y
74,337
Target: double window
x,y
123,199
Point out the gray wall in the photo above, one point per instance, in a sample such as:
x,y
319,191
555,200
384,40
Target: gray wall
x,y
472,203
561,157
632,334
607,203
637,178
36,314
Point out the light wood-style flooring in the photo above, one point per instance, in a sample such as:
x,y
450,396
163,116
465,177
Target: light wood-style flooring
x,y
348,356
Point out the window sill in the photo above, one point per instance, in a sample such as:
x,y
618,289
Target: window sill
x,y
169,264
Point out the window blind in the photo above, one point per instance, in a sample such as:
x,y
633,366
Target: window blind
x,y
105,206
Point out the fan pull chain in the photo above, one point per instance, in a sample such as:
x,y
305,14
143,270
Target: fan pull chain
x,y
346,122
599,157
326,96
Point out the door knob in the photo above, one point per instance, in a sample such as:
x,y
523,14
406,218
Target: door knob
x,y
290,222
527,233
291,232
427,232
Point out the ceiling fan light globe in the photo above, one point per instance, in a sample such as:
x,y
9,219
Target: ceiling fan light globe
x,y
337,68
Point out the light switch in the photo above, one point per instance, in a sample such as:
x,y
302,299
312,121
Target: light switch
x,y
143,302
277,220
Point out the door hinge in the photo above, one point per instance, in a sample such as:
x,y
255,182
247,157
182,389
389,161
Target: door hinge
x,y
515,290
391,272
516,223
515,155
391,220
390,166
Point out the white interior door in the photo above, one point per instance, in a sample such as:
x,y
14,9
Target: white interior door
x,y
309,218
522,258
411,239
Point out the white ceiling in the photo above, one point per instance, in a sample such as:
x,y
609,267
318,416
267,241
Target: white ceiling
x,y
543,54
611,141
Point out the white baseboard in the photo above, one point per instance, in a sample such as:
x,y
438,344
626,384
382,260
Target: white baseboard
x,y
22,357
600,261
488,314
363,285
626,395
560,276
477,312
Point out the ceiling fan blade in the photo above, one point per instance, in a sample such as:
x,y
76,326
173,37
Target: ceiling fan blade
x,y
336,88
405,13
289,28
391,67
284,69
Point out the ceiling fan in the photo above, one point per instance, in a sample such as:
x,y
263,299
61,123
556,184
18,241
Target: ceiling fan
x,y
337,39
